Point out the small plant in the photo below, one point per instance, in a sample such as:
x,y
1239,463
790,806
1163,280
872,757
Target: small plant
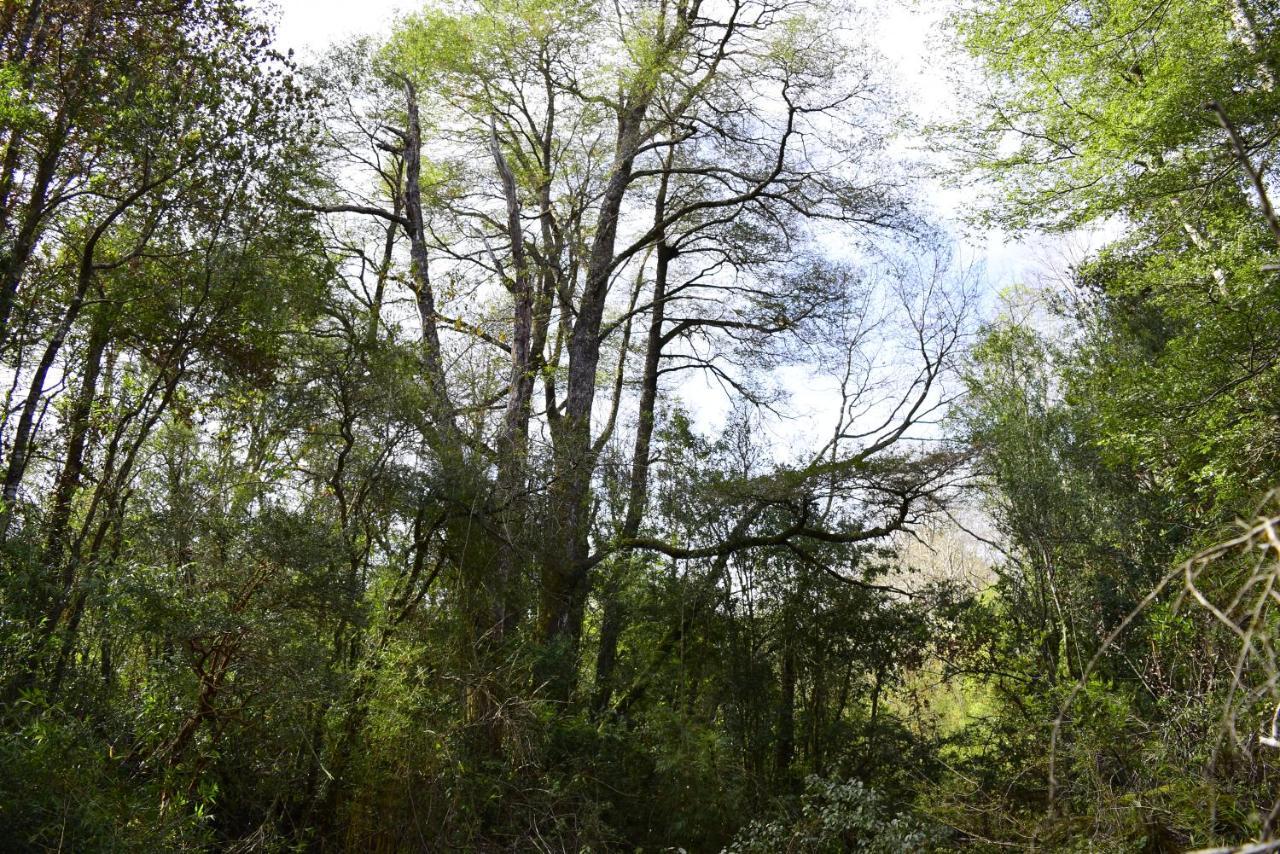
x,y
838,816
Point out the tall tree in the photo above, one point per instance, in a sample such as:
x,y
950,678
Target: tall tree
x,y
665,189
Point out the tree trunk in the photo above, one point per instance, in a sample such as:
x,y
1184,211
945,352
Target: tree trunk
x,y
785,743
565,573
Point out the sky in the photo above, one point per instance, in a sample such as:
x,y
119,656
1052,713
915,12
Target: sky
x,y
906,32
314,24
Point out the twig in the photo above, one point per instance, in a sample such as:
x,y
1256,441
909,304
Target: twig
x,y
1242,154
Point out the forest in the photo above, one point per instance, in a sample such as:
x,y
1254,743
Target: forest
x,y
582,426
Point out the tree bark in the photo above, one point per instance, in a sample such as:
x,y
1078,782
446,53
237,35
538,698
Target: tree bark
x,y
785,738
565,573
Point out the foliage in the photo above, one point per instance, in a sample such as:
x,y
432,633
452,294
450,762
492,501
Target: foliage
x,y
362,488
837,816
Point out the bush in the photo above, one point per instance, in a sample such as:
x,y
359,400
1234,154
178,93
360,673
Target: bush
x,y
838,817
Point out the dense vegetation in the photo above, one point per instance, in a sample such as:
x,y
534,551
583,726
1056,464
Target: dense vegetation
x,y
558,425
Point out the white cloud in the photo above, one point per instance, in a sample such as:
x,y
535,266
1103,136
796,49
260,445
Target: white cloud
x,y
309,26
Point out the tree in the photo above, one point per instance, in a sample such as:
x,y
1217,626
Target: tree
x,y
353,413
1158,114
1121,446
662,191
